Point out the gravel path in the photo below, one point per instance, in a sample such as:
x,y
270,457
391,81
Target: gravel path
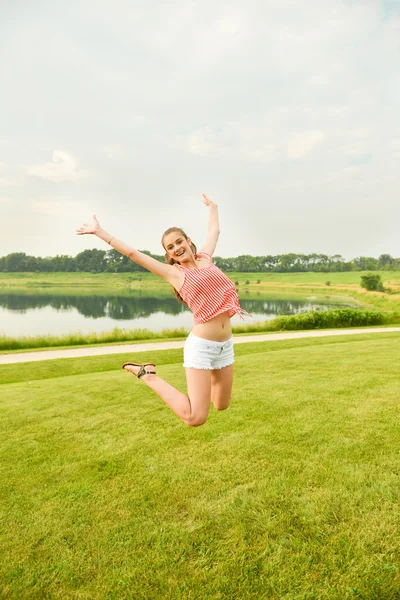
x,y
148,347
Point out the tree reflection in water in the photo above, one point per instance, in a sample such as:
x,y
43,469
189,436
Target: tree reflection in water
x,y
95,307
133,307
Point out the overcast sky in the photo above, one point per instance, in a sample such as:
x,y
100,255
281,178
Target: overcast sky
x,y
285,113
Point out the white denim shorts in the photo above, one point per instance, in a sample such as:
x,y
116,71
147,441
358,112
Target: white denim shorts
x,y
199,353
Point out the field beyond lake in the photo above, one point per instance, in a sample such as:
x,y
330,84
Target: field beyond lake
x,y
347,278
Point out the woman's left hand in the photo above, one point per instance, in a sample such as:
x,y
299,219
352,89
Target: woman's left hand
x,y
208,202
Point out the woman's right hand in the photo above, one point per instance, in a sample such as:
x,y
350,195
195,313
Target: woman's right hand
x,y
92,228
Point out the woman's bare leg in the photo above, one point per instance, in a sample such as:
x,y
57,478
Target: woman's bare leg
x,y
192,409
221,387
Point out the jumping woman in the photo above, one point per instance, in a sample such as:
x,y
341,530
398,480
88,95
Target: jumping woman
x,y
212,297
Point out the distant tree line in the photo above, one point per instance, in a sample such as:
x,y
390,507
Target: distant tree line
x,y
102,261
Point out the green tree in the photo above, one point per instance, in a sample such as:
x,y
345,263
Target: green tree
x,y
15,262
366,263
91,260
386,261
63,263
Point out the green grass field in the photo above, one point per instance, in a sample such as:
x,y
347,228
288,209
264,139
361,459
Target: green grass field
x,y
147,279
309,279
291,494
85,280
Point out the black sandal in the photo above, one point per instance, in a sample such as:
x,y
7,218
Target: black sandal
x,y
142,370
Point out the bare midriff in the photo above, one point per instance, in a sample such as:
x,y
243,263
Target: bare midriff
x,y
218,329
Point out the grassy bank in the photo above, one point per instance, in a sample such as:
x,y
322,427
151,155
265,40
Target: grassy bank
x,y
106,280
292,494
343,317
85,280
78,339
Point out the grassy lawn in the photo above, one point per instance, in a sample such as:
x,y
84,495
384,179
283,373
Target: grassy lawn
x,y
291,494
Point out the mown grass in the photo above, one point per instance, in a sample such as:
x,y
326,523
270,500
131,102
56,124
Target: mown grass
x,y
291,494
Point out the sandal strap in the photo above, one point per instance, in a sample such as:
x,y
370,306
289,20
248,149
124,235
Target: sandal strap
x,y
143,371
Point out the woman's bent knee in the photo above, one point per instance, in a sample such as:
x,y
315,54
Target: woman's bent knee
x,y
196,421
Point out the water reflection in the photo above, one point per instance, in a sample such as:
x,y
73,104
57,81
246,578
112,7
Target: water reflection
x,y
121,308
95,307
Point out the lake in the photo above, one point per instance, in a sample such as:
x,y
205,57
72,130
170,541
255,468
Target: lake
x,y
59,311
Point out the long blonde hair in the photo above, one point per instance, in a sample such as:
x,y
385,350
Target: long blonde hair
x,y
172,261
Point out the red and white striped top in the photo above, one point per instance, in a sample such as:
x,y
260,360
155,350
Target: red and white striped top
x,y
208,292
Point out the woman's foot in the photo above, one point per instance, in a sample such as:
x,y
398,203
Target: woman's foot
x,y
140,370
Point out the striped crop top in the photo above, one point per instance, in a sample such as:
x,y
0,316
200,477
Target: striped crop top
x,y
208,292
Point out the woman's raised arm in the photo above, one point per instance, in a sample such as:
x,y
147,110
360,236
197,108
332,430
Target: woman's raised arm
x,y
213,227
164,271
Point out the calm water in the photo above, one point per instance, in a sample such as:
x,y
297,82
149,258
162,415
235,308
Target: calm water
x,y
43,312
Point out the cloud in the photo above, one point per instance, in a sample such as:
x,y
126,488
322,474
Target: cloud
x,y
63,168
394,148
113,151
58,208
5,180
301,144
205,142
247,141
259,140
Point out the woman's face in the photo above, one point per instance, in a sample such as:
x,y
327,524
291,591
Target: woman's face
x,y
177,246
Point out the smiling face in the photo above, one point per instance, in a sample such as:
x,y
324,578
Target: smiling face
x,y
177,246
